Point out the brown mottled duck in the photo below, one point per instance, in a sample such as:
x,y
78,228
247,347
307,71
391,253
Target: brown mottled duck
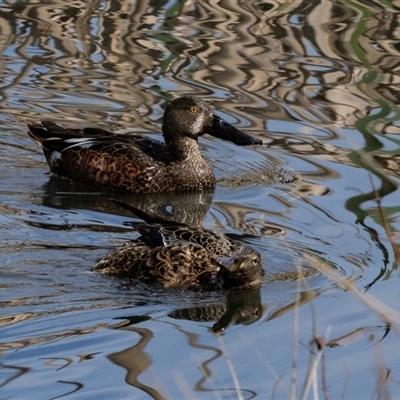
x,y
173,254
136,164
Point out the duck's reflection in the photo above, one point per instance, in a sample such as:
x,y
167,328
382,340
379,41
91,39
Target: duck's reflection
x,y
236,307
242,307
189,208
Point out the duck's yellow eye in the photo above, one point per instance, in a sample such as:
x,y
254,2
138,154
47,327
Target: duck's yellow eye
x,y
194,110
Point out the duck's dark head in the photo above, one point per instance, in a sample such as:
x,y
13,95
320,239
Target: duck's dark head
x,y
192,117
242,269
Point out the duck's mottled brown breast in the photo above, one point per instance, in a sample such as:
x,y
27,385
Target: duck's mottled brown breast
x,y
135,164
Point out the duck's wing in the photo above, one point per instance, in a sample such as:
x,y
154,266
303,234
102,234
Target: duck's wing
x,y
53,137
155,235
159,231
214,243
98,158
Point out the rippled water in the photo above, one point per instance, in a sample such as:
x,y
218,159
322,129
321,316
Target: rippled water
x,y
318,82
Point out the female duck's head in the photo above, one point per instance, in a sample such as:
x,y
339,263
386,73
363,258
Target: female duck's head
x,y
241,269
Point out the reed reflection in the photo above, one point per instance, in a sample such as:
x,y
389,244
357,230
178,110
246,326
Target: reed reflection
x,y
148,46
136,362
317,80
134,51
242,307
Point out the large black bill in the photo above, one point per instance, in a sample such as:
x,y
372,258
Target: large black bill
x,y
224,130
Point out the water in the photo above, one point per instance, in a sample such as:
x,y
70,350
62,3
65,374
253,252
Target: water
x,y
317,81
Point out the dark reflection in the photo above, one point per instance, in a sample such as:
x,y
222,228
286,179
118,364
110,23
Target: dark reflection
x,y
355,204
188,208
131,320
76,386
240,307
13,372
233,307
136,361
238,217
244,307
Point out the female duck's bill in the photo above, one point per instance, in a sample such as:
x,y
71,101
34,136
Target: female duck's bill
x,y
174,254
136,164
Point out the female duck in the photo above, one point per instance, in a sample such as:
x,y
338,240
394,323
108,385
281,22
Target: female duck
x,y
136,164
173,254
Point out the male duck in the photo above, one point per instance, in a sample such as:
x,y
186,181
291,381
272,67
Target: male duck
x,y
136,164
174,254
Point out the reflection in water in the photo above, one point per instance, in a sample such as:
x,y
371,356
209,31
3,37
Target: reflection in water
x,y
190,208
303,298
368,332
317,81
12,372
194,46
237,216
244,307
241,307
389,162
136,361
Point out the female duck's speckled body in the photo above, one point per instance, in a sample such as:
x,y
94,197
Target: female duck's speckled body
x,y
177,255
136,164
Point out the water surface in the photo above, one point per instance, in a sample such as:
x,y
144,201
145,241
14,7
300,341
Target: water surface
x,y
318,82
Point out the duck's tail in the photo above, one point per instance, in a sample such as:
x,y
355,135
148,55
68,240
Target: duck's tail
x,y
37,132
48,134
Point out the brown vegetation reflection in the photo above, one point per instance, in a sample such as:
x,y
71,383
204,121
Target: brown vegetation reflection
x,y
136,362
304,75
282,62
304,70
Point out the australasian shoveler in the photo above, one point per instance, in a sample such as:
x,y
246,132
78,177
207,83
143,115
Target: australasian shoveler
x,y
173,254
136,164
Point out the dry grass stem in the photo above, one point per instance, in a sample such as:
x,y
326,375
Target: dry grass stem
x,y
231,368
386,313
278,378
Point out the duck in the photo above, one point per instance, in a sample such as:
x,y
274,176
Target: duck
x,y
136,164
175,255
